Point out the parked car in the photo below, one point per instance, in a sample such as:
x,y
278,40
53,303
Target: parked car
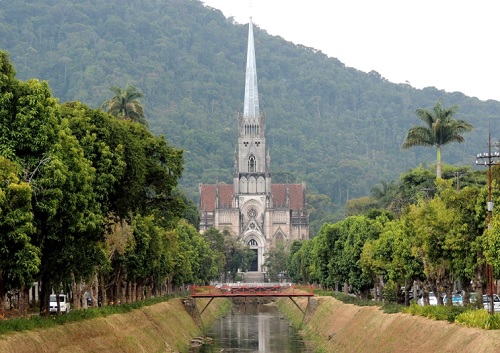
x,y
432,299
64,304
487,301
456,299
403,293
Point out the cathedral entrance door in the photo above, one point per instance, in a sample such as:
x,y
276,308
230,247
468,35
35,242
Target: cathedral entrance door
x,y
254,266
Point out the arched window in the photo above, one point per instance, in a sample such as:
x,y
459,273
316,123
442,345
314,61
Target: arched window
x,y
243,185
252,185
261,185
252,242
252,164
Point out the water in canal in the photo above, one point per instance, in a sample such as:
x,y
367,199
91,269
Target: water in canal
x,y
254,328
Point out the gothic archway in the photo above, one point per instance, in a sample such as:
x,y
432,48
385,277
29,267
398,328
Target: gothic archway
x,y
254,246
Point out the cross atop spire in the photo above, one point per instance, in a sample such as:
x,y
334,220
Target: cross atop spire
x,y
251,107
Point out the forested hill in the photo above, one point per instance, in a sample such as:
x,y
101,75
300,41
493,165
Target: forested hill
x,y
332,126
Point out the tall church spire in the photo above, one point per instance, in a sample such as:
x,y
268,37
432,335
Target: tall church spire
x,y
251,108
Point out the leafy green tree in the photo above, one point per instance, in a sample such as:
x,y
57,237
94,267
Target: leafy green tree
x,y
190,209
276,261
416,184
465,242
429,223
325,250
384,193
215,239
19,257
391,257
355,230
141,258
301,265
8,104
440,129
68,217
360,205
126,104
291,261
237,255
196,263
101,137
55,167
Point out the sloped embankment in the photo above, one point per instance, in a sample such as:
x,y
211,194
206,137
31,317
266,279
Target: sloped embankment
x,y
164,327
346,328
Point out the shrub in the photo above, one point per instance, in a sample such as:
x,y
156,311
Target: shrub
x,y
347,299
479,318
392,308
437,312
390,292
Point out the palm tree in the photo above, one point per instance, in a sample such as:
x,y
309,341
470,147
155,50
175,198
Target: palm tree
x,y
125,104
440,129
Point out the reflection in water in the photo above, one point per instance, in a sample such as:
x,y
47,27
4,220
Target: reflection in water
x,y
254,328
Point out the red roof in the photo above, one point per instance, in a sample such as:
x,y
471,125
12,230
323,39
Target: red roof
x,y
296,194
207,196
208,193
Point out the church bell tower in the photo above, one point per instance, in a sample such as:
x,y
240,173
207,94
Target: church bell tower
x,y
252,178
255,211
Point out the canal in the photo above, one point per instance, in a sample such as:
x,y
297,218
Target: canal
x,y
253,328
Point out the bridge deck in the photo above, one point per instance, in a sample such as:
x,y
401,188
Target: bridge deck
x,y
250,291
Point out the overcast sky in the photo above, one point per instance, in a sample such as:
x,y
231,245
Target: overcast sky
x,y
453,45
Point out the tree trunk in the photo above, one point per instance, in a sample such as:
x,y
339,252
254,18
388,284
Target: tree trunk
x,y
128,292
479,287
123,285
104,296
44,296
22,306
76,297
94,291
407,292
3,292
415,291
116,286
425,292
466,288
438,163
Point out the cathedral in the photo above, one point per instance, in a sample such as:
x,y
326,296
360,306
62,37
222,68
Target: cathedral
x,y
258,212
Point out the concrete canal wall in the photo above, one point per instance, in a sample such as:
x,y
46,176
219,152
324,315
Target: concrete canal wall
x,y
164,327
330,325
333,326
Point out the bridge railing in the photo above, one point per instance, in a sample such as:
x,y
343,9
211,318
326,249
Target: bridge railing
x,y
248,289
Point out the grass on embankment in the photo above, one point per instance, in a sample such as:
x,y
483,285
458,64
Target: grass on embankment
x,y
152,326
334,326
470,316
35,322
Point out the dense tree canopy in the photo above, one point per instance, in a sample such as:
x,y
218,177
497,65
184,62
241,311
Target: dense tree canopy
x,y
336,128
90,202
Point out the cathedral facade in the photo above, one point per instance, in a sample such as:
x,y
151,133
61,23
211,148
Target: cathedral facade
x,y
258,212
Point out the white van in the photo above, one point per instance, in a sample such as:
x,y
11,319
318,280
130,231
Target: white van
x,y
487,302
63,304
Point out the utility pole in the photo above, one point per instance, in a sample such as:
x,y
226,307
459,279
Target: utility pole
x,y
489,159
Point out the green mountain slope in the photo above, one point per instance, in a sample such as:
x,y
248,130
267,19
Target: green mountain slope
x,y
334,127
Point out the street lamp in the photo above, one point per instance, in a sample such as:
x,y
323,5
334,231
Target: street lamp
x,y
489,159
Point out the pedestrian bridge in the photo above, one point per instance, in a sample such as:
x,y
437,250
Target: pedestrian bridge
x,y
245,290
233,290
